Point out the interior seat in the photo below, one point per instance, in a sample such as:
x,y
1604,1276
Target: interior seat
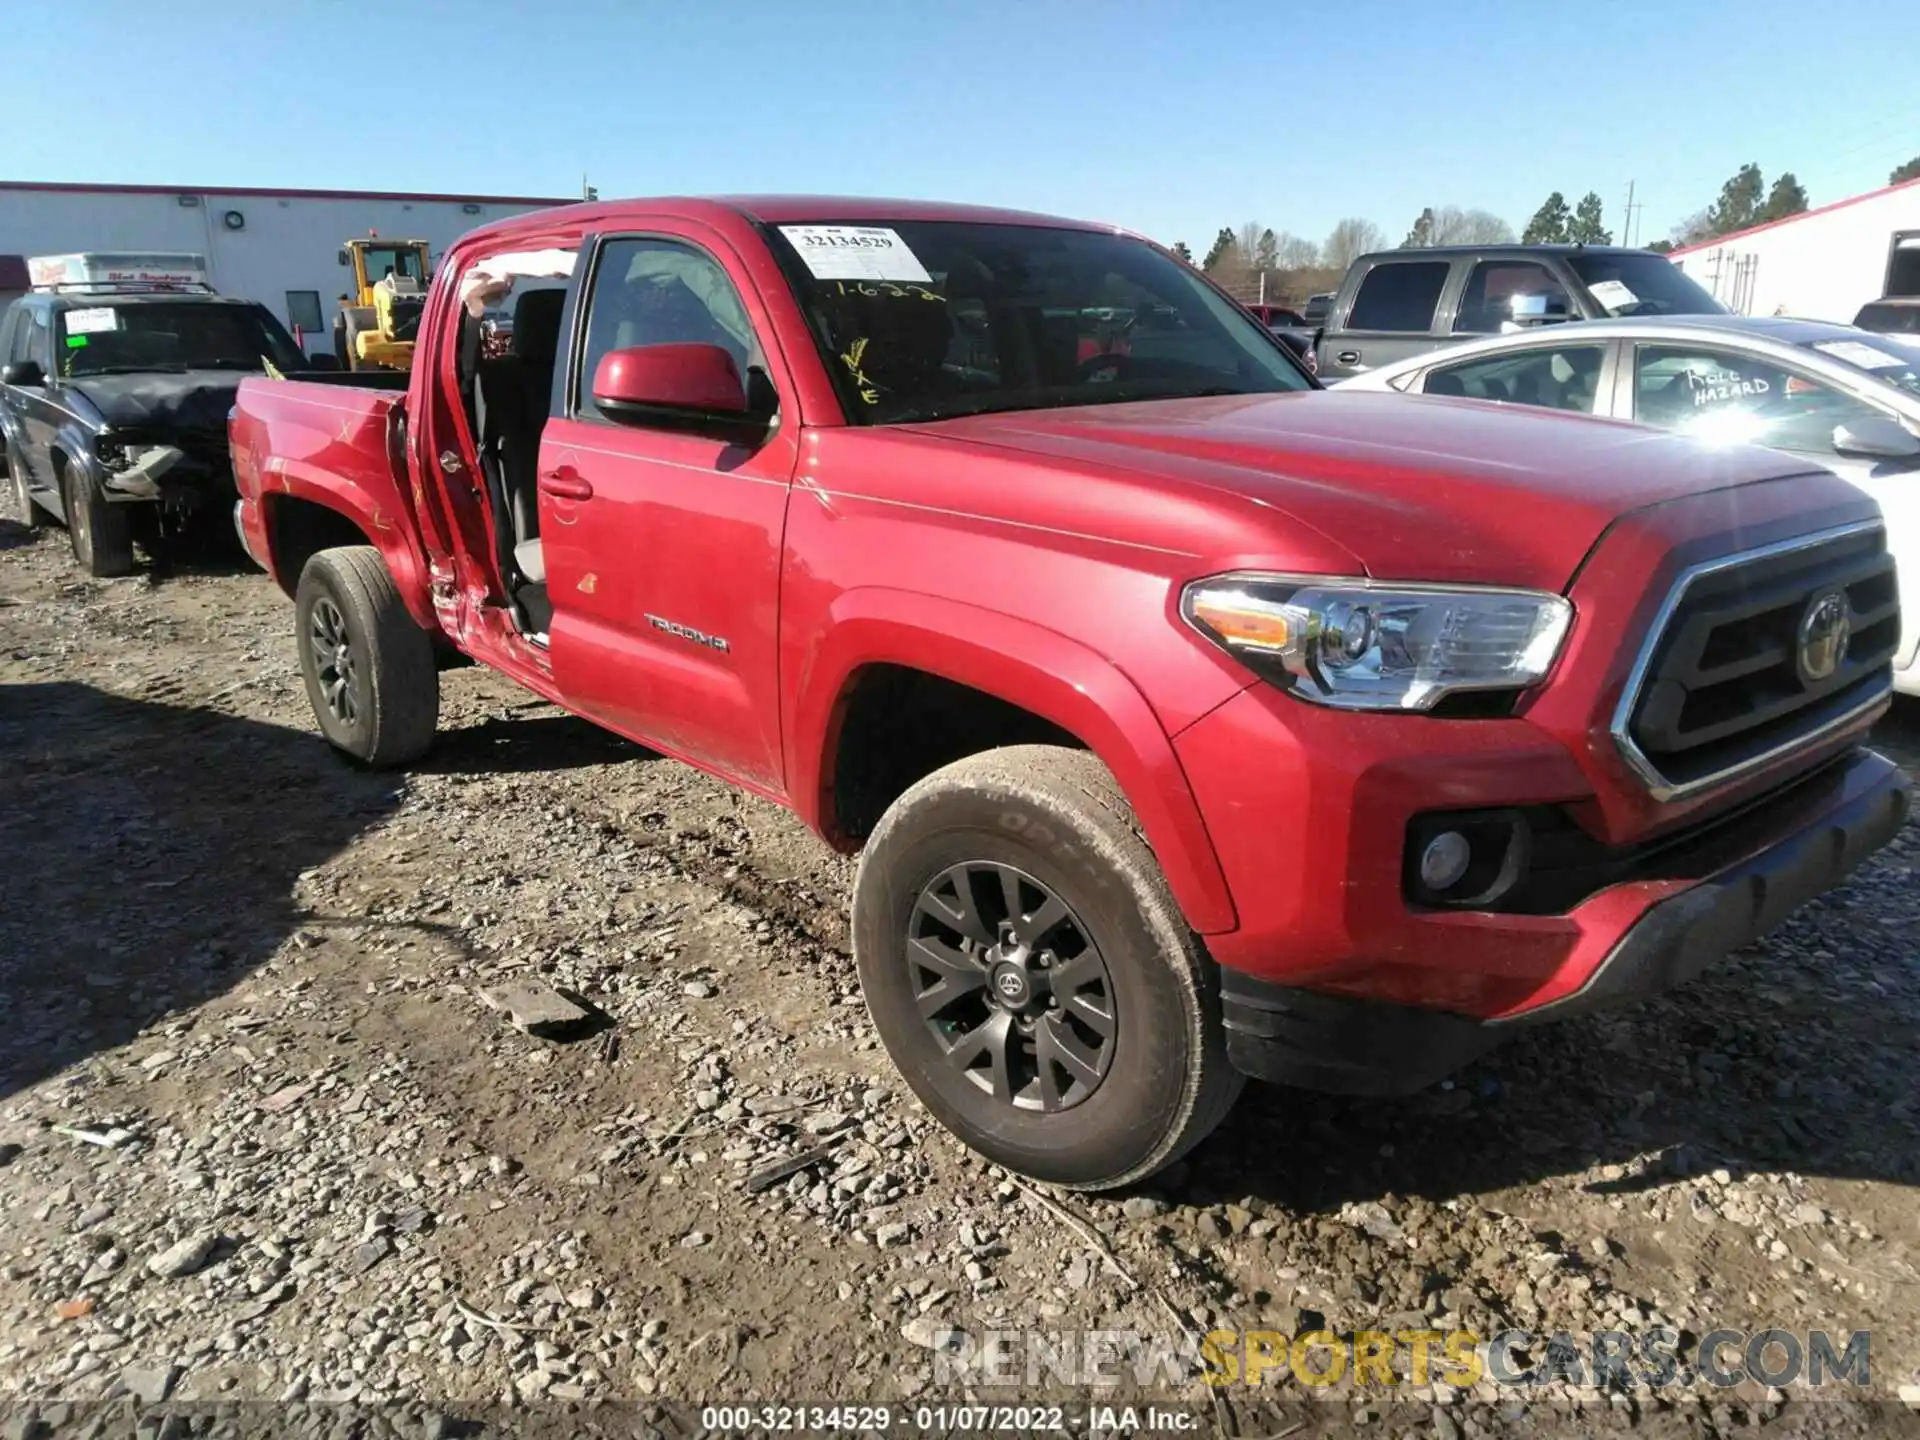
x,y
515,396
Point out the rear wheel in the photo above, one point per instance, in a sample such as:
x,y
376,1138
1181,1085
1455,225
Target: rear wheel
x,y
18,504
1031,976
100,531
370,670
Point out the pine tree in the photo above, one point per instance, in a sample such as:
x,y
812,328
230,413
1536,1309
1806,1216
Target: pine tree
x,y
1787,197
1550,222
1903,173
1739,202
1181,252
1586,227
1223,247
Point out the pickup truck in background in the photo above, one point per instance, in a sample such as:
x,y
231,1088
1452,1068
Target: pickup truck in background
x,y
1191,722
1400,303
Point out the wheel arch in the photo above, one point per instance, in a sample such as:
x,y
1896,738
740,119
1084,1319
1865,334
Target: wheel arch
x,y
302,515
1019,664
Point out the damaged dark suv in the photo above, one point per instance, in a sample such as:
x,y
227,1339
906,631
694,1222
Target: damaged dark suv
x,y
113,408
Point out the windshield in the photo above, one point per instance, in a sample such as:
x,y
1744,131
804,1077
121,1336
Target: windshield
x,y
924,320
1890,359
1642,285
170,335
385,260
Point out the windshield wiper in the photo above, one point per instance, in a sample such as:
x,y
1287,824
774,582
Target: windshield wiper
x,y
156,369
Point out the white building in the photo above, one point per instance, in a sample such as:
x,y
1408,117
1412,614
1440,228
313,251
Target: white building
x,y
1821,265
280,247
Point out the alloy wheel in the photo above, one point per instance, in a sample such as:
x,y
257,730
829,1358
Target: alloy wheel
x,y
334,661
1012,986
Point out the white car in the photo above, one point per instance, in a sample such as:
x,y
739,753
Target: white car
x,y
1845,399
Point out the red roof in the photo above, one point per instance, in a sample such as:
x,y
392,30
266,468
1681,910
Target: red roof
x,y
1803,215
67,188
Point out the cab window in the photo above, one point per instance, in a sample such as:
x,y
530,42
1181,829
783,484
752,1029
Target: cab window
x,y
1486,305
1399,295
1553,377
1727,396
661,292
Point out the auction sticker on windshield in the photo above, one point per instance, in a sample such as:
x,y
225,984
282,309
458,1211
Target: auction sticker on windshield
x,y
855,252
1856,352
1612,293
92,322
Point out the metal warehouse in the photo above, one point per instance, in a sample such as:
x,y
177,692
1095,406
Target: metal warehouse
x,y
1821,265
280,247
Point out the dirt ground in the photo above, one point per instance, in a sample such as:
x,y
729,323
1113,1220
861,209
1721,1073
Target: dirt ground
x,y
337,1176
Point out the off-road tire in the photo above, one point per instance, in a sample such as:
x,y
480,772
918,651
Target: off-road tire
x,y
100,532
394,686
15,504
1057,815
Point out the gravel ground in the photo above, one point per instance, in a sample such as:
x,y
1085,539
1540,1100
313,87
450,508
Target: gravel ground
x,y
261,1137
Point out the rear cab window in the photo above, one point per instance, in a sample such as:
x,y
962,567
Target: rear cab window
x,y
1399,297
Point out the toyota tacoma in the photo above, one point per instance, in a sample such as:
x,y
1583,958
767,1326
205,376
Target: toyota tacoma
x,y
1191,722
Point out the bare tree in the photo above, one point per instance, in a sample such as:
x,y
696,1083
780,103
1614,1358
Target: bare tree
x,y
1696,228
1454,226
1351,239
1294,253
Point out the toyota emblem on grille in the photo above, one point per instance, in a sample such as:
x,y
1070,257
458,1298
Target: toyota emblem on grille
x,y
1824,632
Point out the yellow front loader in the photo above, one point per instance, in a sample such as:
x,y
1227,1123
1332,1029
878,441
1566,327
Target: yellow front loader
x,y
379,318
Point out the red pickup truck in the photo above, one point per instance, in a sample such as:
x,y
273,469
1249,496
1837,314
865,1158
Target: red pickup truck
x,y
1192,722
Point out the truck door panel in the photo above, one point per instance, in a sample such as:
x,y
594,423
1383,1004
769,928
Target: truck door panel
x,y
662,545
1394,313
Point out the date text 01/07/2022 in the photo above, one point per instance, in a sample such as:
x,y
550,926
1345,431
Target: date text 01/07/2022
x,y
946,1419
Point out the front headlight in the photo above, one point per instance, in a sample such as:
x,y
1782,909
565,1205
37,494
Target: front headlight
x,y
1364,645
112,453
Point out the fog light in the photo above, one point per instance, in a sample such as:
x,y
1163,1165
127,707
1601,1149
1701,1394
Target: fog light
x,y
1445,860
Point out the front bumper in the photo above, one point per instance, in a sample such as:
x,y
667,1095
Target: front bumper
x,y
1362,1046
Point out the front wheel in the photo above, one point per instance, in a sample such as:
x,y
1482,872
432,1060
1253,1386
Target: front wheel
x,y
100,531
1031,976
369,668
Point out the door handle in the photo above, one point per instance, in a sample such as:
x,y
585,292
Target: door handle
x,y
566,485
1348,357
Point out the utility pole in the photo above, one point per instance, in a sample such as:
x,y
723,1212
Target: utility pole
x,y
1626,230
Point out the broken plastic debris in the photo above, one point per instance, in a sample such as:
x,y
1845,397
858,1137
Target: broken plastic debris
x,y
111,1139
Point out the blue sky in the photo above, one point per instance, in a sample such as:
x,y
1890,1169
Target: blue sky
x,y
1173,120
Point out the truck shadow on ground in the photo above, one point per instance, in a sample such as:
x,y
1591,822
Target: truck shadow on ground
x,y
1801,1054
151,861
527,745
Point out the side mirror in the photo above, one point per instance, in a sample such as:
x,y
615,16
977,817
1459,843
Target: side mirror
x,y
1536,307
23,372
343,256
1876,437
323,360
690,386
